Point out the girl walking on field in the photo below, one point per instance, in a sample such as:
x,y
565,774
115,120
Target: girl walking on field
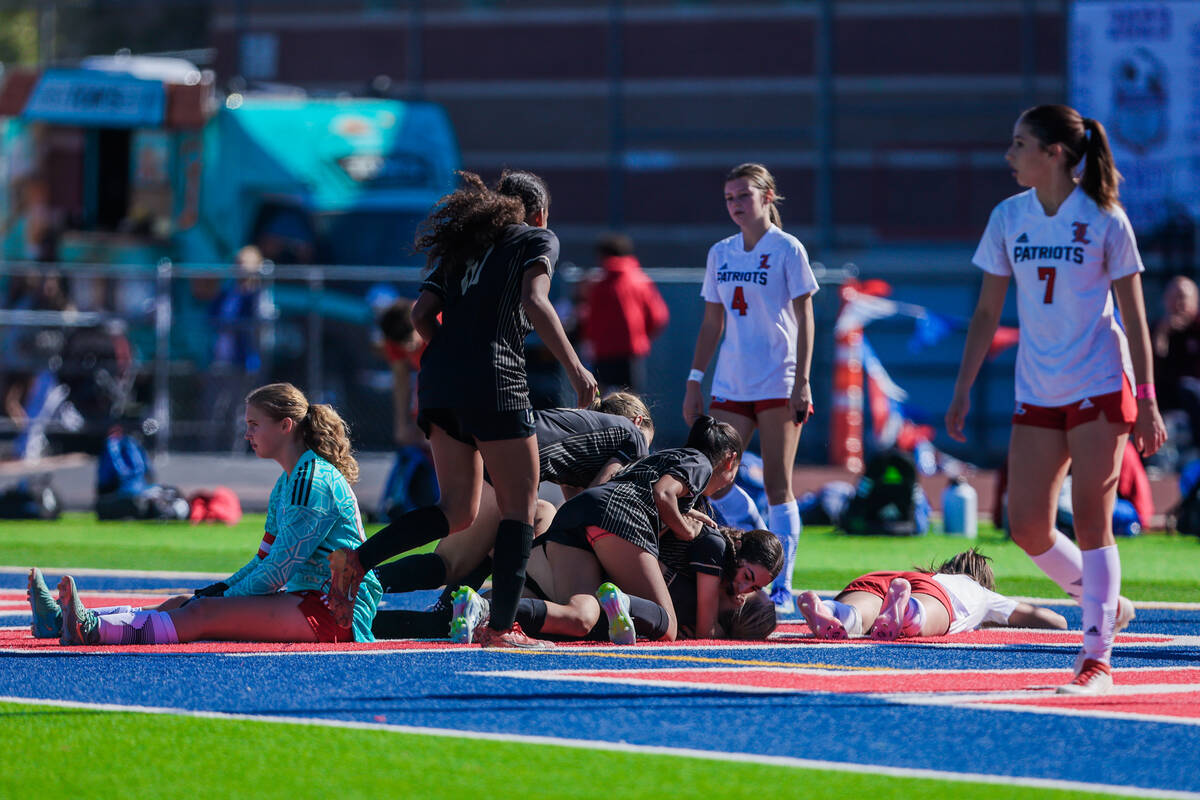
x,y
1083,383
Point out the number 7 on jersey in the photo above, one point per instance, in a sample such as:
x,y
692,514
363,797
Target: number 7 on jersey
x,y
1048,274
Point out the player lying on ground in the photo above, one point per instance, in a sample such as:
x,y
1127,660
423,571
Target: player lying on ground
x,y
958,595
278,596
709,581
611,532
577,449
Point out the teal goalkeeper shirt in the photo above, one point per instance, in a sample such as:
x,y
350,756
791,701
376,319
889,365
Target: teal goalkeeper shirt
x,y
311,513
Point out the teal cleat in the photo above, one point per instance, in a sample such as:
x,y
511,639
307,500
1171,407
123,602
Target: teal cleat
x,y
616,606
79,625
470,613
47,617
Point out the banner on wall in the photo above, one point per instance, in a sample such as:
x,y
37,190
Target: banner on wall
x,y
1135,66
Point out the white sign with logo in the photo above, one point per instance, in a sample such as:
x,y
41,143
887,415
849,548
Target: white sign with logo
x,y
1135,66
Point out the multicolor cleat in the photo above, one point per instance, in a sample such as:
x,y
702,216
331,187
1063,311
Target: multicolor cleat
x,y
79,625
514,637
469,613
616,606
47,617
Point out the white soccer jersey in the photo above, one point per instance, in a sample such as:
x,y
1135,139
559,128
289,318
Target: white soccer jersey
x,y
1071,346
973,604
757,359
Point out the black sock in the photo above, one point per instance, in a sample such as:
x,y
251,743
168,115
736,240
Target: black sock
x,y
650,620
514,540
403,624
408,574
531,613
477,576
422,526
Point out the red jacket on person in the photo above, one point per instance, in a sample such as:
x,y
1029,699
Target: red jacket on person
x,y
622,311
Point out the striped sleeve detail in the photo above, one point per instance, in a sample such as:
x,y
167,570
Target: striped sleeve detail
x,y
302,486
265,548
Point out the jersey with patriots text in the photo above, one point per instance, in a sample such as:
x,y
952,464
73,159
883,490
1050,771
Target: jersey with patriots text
x,y
757,359
1071,345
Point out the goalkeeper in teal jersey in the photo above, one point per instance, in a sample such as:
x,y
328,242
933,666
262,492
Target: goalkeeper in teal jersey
x,y
279,596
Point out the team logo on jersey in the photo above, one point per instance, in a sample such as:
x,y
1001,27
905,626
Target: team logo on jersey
x,y
1023,238
1020,409
764,264
1085,404
1080,231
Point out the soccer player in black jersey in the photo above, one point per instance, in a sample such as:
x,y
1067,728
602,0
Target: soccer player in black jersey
x,y
577,448
491,258
612,531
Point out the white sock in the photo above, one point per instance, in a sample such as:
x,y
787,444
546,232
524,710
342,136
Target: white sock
x,y
847,615
785,523
914,618
106,610
738,510
1101,586
1063,564
138,627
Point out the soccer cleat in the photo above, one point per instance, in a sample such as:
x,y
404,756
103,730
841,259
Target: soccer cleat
x,y
889,624
47,617
821,621
1094,678
345,574
616,606
79,625
785,604
469,614
1125,614
514,637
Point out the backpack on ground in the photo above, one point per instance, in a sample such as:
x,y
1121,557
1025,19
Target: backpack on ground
x,y
32,498
888,499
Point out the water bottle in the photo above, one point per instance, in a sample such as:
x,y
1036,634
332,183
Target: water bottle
x,y
960,509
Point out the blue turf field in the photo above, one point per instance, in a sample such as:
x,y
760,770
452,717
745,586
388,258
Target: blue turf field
x,y
854,704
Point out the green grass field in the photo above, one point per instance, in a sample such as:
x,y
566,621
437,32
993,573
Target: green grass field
x,y
53,751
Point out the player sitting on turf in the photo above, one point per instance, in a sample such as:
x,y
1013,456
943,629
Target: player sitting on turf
x,y
956,596
279,595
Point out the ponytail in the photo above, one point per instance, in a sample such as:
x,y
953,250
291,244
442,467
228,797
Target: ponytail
x,y
1080,138
1100,175
714,439
326,434
755,547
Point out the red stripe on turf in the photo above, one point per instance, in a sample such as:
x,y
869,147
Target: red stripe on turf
x,y
23,640
1180,705
999,636
883,682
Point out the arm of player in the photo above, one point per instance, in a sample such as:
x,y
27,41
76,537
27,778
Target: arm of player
x,y
425,314
983,326
535,299
1149,432
801,400
606,472
667,491
708,588
1030,616
711,328
303,529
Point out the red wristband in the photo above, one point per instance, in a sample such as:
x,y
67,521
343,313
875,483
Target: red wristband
x,y
1145,391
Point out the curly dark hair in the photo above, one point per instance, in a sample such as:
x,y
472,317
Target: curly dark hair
x,y
527,187
465,223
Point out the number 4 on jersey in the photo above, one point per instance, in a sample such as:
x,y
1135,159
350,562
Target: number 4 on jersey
x,y
738,303
1047,274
